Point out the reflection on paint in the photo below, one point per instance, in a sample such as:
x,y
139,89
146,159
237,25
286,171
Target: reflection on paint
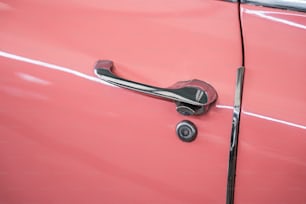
x,y
52,66
269,15
17,92
33,79
91,78
4,6
274,120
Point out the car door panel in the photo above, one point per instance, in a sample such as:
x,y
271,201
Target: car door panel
x,y
271,155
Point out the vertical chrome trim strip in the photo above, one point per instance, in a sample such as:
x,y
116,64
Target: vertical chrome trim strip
x,y
234,137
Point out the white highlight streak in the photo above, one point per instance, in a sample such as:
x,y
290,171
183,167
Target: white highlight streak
x,y
225,107
33,79
274,120
91,78
273,18
265,117
52,66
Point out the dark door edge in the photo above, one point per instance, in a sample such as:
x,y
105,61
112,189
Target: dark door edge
x,y
231,176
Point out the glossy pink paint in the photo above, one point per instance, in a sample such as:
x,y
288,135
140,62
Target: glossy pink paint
x,y
271,164
66,138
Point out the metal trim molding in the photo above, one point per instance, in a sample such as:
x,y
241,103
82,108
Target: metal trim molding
x,y
234,137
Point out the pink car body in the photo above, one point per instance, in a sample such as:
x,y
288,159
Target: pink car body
x,y
68,137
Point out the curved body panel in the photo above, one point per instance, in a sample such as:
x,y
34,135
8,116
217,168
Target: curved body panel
x,y
271,166
67,137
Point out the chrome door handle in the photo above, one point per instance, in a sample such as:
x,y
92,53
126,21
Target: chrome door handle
x,y
191,97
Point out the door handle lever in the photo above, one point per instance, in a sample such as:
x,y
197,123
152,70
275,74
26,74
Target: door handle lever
x,y
192,97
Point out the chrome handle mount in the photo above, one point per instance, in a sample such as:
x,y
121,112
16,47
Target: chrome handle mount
x,y
192,97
